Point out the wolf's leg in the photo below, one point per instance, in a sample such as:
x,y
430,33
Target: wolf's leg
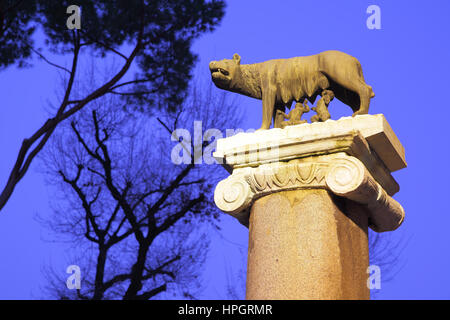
x,y
349,75
361,88
268,100
365,93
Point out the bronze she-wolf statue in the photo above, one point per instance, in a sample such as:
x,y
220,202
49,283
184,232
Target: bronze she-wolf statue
x,y
280,82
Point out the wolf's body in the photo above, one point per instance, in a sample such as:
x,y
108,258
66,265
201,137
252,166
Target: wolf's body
x,y
280,82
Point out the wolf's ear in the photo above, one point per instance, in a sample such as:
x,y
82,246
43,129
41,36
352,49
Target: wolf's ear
x,y
237,58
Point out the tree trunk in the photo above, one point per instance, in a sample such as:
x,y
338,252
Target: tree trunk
x,y
100,273
137,273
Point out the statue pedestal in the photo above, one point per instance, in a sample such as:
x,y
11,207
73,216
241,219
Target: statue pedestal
x,y
308,194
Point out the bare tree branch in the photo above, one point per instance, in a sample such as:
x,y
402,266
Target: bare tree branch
x,y
145,206
147,295
23,161
48,61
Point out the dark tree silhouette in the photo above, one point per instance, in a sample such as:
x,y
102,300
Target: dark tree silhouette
x,y
157,35
134,217
16,31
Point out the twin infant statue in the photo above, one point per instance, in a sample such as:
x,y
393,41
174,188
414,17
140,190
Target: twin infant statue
x,y
295,115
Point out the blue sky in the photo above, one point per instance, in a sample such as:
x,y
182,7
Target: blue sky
x,y
407,64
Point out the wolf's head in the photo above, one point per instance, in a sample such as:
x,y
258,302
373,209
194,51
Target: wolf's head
x,y
225,72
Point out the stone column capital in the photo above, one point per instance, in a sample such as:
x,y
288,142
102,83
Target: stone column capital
x,y
334,155
343,175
